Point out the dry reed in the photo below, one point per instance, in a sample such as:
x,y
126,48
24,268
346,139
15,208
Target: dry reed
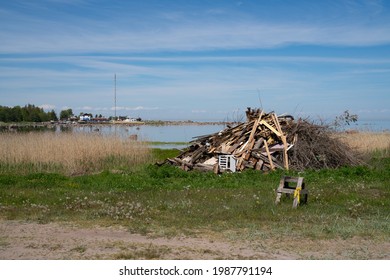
x,y
367,142
69,153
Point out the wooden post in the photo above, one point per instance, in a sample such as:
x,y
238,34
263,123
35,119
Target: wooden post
x,y
284,141
269,155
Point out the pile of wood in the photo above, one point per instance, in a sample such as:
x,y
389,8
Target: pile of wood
x,y
266,142
318,147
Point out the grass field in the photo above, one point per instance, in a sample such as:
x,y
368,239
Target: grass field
x,y
346,203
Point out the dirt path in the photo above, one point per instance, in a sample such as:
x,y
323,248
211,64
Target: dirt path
x,y
21,240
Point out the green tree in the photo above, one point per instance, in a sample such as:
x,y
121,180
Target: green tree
x,y
35,117
28,113
52,116
16,114
3,114
345,119
66,114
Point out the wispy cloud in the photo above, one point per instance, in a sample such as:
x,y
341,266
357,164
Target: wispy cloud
x,y
59,37
198,111
194,59
47,107
191,38
138,108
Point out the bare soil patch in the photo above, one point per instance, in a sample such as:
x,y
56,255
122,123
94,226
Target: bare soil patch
x,y
26,241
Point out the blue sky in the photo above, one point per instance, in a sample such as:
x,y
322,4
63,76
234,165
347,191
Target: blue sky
x,y
199,60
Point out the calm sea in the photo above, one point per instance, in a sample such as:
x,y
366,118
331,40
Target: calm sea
x,y
186,133
166,133
372,125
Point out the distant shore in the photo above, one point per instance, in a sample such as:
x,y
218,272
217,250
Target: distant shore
x,y
27,126
146,122
37,126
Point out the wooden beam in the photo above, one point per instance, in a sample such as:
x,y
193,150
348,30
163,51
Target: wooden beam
x,y
284,141
269,155
270,127
254,128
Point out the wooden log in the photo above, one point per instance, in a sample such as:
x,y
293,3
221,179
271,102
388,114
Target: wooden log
x,y
203,167
182,162
250,165
197,154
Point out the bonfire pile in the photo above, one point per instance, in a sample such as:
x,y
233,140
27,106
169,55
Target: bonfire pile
x,y
267,142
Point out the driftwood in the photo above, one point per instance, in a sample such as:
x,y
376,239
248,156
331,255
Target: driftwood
x,y
267,142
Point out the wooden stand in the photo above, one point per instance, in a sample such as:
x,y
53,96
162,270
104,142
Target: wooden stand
x,y
298,190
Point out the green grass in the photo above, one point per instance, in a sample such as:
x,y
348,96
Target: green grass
x,y
167,143
162,154
166,201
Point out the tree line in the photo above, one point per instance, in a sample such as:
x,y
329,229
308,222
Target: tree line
x,y
28,113
32,113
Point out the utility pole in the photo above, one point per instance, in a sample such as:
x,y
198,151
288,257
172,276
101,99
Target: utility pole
x,y
115,95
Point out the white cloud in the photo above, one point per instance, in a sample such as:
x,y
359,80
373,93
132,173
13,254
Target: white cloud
x,y
194,36
56,66
47,106
85,108
138,108
198,111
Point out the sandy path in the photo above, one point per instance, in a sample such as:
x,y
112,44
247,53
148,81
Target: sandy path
x,y
21,240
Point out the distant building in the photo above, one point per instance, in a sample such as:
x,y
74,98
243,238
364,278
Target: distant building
x,y
100,120
128,119
85,117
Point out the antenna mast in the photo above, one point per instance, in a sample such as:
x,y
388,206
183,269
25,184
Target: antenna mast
x,y
115,95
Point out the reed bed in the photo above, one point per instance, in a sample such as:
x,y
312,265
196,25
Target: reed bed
x,y
368,143
71,154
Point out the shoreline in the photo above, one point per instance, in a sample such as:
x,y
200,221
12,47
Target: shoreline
x,y
21,126
29,126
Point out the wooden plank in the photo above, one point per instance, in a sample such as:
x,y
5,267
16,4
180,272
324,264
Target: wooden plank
x,y
239,152
235,146
291,191
203,167
284,141
254,128
198,154
216,168
285,155
183,163
240,163
270,127
259,165
291,179
276,122
269,156
258,144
